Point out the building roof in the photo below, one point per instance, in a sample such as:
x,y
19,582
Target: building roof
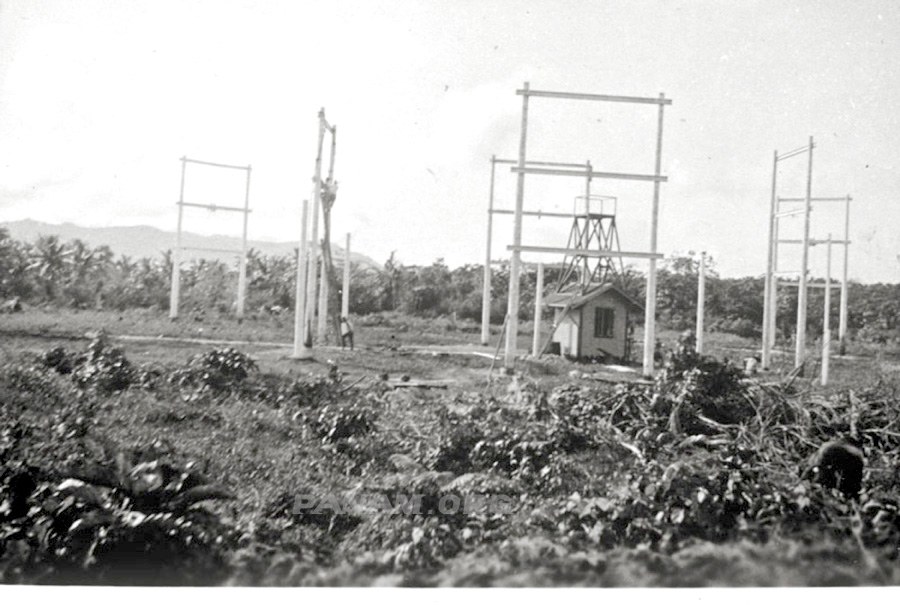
x,y
578,299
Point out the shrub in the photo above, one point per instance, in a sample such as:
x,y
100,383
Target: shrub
x,y
335,423
742,327
58,359
691,385
23,385
103,367
456,439
217,370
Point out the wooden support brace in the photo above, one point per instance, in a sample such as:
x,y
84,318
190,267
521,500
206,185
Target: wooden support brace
x,y
216,164
813,199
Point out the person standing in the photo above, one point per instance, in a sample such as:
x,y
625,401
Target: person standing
x,y
346,333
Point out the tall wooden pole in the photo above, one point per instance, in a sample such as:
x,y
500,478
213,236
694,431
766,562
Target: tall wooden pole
x,y
175,292
326,254
512,310
242,265
538,308
826,322
301,350
345,290
585,236
486,288
650,302
329,305
768,296
842,325
323,301
313,261
333,152
800,352
701,298
773,302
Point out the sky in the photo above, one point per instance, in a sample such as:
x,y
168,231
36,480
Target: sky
x,y
99,101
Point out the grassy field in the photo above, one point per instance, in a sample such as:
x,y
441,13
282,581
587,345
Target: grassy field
x,y
606,490
381,332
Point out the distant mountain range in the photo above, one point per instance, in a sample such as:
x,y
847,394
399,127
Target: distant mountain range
x,y
150,242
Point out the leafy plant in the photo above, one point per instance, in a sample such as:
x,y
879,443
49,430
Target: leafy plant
x,y
133,524
217,370
692,388
58,359
103,367
337,424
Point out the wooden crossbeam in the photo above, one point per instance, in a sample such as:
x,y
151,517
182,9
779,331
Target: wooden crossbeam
x,y
623,176
214,207
593,97
203,249
538,163
538,213
813,242
583,252
815,199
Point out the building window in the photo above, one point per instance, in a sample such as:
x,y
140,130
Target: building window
x,y
604,319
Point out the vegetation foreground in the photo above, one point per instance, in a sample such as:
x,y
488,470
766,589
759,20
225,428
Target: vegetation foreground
x,y
208,470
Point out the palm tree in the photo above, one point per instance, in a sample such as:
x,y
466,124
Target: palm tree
x,y
272,278
51,260
393,280
88,269
125,266
14,261
81,259
103,259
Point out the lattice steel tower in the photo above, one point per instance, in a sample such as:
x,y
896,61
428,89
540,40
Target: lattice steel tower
x,y
592,231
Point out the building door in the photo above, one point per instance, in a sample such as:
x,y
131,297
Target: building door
x,y
629,338
572,338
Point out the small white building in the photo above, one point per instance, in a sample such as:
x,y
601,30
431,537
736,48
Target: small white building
x,y
595,323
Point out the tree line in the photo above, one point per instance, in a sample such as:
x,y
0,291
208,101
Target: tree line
x,y
74,274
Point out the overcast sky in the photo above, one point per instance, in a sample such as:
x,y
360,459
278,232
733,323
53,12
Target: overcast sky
x,y
99,100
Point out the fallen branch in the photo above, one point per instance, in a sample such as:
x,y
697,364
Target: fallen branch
x,y
345,389
420,385
597,378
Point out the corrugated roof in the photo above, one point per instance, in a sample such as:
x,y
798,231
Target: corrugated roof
x,y
561,299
